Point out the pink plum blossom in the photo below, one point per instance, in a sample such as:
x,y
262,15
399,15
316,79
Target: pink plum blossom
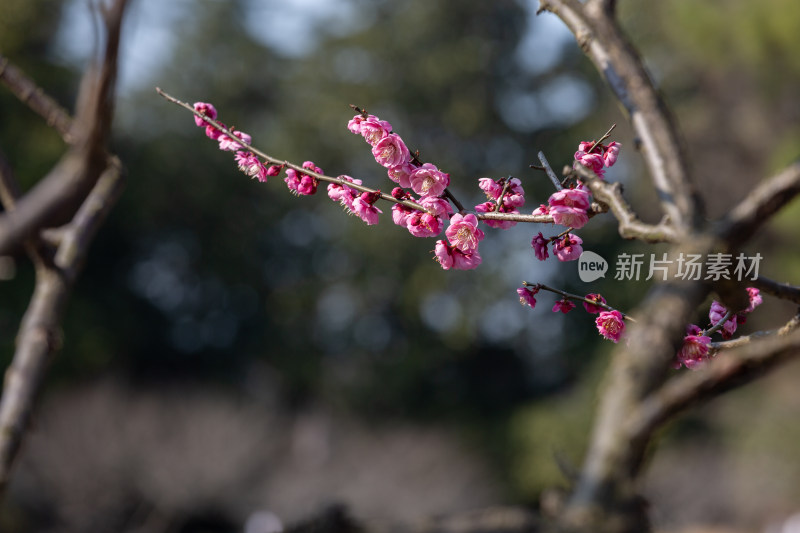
x,y
575,198
755,299
364,208
611,153
591,308
491,187
400,174
450,257
391,151
611,325
250,165
214,133
526,296
355,124
428,180
595,162
373,129
568,247
563,305
539,245
230,145
343,194
300,183
463,232
569,216
694,352
716,313
204,109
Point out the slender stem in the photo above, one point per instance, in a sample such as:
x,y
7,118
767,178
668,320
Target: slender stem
x,y
550,173
605,136
571,296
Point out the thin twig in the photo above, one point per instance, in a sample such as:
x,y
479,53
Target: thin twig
x,y
549,170
576,297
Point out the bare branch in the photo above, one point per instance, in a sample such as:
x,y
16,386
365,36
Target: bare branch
x,y
787,328
57,196
736,367
784,291
601,38
630,227
31,94
763,202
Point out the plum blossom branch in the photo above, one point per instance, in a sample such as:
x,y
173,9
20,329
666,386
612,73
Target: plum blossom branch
x,y
285,163
600,37
787,328
577,298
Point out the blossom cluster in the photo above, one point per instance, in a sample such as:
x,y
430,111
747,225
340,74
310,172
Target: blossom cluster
x,y
460,251
610,323
503,196
571,207
696,348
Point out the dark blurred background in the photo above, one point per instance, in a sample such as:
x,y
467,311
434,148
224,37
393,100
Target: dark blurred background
x,y
233,350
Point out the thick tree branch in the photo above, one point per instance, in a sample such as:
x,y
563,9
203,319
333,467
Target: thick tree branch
x,y
784,291
737,366
758,207
86,175
630,227
56,197
601,38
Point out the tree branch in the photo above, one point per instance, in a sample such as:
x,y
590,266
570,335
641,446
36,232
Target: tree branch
x,y
630,227
601,38
784,291
35,98
759,205
58,195
738,366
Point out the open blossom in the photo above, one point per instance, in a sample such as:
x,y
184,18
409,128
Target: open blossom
x,y
250,165
575,198
391,151
693,352
568,207
591,308
611,325
526,296
464,233
539,245
569,216
428,180
563,305
364,207
450,257
400,174
206,109
491,187
568,247
373,129
230,145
